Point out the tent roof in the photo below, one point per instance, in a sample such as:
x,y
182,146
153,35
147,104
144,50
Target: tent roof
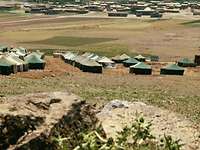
x,y
95,57
131,60
4,61
67,55
121,57
22,50
92,63
33,59
33,53
17,59
73,57
3,46
91,55
39,52
16,62
173,67
105,60
147,9
139,57
141,65
124,56
19,51
117,57
13,54
87,54
186,61
79,58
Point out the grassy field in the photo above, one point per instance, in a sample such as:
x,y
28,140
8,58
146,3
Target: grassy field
x,y
71,41
195,23
170,39
179,94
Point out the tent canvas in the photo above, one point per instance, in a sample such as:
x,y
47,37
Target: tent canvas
x,y
6,66
106,60
25,65
91,66
185,62
120,58
141,68
35,62
140,58
16,62
129,62
172,69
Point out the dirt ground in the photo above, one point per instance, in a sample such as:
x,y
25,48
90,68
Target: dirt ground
x,y
33,121
117,114
167,38
178,93
57,67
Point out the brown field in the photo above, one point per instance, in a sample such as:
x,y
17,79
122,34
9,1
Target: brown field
x,y
169,39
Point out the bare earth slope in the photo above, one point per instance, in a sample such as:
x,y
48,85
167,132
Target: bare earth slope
x,y
117,114
31,121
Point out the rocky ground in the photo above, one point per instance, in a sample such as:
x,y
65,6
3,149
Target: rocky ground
x,y
116,114
33,121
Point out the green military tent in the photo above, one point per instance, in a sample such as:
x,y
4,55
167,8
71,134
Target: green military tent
x,y
185,62
20,61
91,66
33,53
35,62
140,58
78,60
21,52
95,57
120,58
16,62
67,56
6,66
41,54
3,48
70,58
130,62
172,69
106,62
87,54
154,58
141,68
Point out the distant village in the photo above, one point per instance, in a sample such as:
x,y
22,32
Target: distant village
x,y
113,9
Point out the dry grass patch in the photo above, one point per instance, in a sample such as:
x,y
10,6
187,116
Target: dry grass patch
x,y
71,41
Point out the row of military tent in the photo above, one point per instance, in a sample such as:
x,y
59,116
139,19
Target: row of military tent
x,y
12,63
90,62
145,69
124,57
137,66
86,62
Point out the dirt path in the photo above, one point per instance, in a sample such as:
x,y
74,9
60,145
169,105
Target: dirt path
x,y
54,67
117,114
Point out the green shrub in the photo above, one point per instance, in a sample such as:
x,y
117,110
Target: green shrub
x,y
134,137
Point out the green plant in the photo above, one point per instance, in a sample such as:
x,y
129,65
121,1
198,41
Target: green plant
x,y
168,143
60,142
134,137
